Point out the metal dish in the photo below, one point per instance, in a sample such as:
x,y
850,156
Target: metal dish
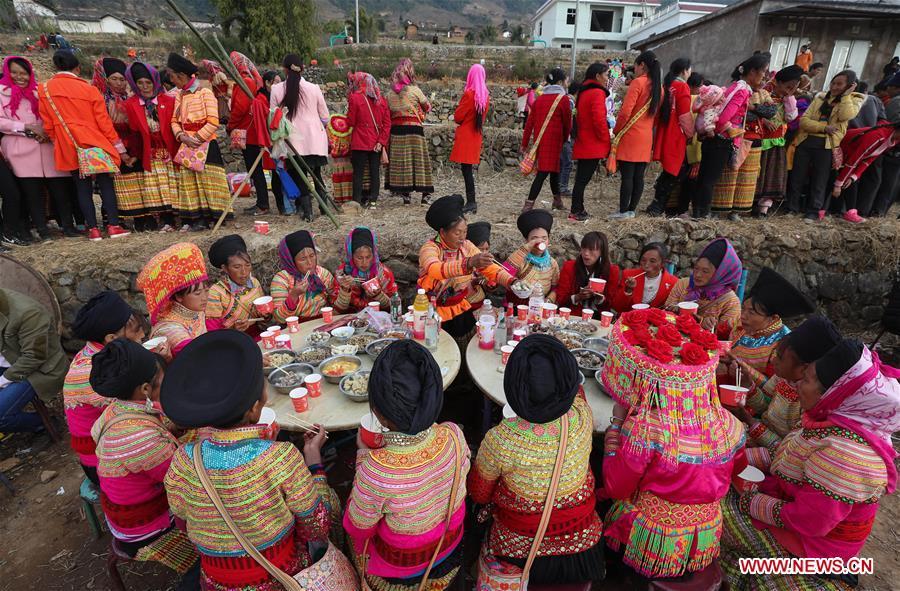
x,y
299,371
571,339
597,344
396,333
267,368
313,355
354,396
584,327
317,338
374,348
362,340
354,363
599,379
588,370
342,333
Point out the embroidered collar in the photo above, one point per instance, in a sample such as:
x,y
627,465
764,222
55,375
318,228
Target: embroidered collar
x,y
236,435
541,262
178,312
238,289
393,439
767,336
136,407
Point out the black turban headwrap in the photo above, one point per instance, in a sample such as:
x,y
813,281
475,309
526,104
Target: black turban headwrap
x,y
120,368
181,64
541,379
406,386
536,218
213,381
715,252
297,241
105,313
361,237
113,65
831,366
779,296
139,71
444,212
224,248
813,339
478,233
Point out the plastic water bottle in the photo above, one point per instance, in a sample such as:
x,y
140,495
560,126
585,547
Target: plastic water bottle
x,y
432,327
500,334
535,303
396,309
420,311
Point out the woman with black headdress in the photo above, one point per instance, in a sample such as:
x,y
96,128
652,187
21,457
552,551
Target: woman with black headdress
x,y
407,506
532,262
362,277
302,288
518,457
230,302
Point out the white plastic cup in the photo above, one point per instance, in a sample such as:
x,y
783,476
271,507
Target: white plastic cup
x,y
640,306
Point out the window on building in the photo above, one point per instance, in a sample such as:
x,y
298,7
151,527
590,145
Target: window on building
x,y
570,16
566,45
601,21
540,28
637,15
598,46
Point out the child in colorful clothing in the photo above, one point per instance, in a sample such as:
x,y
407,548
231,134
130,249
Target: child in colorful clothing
x,y
302,288
361,266
230,303
104,318
276,496
134,450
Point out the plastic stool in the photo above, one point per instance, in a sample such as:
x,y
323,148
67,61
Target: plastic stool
x,y
89,497
116,555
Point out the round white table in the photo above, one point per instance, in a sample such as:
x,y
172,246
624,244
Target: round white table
x,y
333,410
483,366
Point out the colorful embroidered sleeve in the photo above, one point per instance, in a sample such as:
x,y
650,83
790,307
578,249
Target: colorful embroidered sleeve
x,y
176,120
279,289
177,484
306,496
763,508
487,470
432,265
364,507
759,457
846,468
218,302
677,293
494,272
211,109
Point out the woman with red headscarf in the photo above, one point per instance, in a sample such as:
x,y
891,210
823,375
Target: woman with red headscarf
x,y
469,117
370,118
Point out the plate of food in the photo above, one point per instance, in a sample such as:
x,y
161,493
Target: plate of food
x,y
589,361
375,348
584,327
335,368
356,386
277,358
395,333
286,378
347,349
363,340
317,338
313,355
570,338
359,324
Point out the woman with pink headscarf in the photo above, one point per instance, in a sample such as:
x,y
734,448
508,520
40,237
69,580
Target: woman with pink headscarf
x,y
824,482
409,169
469,116
28,150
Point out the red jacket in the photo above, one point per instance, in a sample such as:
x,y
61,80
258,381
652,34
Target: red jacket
x,y
567,288
861,146
671,137
369,127
591,128
622,302
467,140
137,122
558,130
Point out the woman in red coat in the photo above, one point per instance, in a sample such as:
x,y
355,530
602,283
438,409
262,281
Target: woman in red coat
x,y
674,127
469,117
149,112
370,118
592,263
648,284
591,134
553,107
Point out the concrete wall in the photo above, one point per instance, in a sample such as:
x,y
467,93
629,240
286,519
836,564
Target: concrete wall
x,y
552,25
674,17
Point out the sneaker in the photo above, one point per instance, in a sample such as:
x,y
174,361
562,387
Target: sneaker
x,y
853,217
116,232
811,218
94,235
12,240
185,228
734,216
581,216
166,229
71,233
255,211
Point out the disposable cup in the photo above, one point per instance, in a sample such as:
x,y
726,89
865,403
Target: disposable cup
x,y
732,395
268,340
640,306
688,308
598,285
565,313
293,324
748,480
327,315
264,305
299,399
313,383
606,319
371,432
154,343
587,314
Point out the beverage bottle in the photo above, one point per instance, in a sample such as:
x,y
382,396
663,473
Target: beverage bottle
x,y
420,311
432,327
500,333
535,302
396,309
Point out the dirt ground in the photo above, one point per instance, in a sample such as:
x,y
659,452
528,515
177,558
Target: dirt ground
x,y
47,542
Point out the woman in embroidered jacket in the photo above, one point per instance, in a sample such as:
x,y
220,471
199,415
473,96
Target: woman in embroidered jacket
x,y
361,265
134,450
716,274
230,302
104,318
302,288
174,283
410,164
399,509
851,405
532,262
516,461
773,171
277,497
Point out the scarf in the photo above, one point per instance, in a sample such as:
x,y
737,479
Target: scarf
x,y
246,68
193,85
554,89
541,262
403,75
866,400
475,81
139,71
727,276
350,267
115,101
367,85
17,93
286,255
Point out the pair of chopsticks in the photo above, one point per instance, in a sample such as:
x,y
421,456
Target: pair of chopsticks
x,y
304,425
639,275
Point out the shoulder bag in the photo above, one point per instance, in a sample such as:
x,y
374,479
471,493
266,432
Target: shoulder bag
x,y
92,160
457,475
611,165
332,572
528,165
496,576
384,153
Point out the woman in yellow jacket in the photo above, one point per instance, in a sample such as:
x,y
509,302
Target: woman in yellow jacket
x,y
822,128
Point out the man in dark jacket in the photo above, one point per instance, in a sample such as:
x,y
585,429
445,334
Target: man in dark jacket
x,y
32,362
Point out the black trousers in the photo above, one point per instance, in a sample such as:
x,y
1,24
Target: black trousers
x,y
362,159
305,195
468,172
85,189
12,201
632,184
890,183
258,177
59,189
811,160
584,172
867,188
539,183
715,153
665,184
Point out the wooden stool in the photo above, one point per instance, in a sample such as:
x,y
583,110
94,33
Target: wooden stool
x,y
44,413
90,497
116,556
708,579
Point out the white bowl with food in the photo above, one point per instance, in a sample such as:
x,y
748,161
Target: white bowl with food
x,y
342,333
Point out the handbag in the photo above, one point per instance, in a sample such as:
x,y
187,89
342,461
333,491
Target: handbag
x,y
91,160
528,165
611,164
496,576
385,159
332,572
192,158
457,474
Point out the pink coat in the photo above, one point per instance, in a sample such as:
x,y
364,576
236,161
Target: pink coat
x,y
308,135
27,157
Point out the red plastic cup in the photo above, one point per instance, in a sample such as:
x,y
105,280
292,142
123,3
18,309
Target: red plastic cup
x,y
264,305
372,285
373,306
371,432
598,285
724,347
732,395
505,352
518,334
688,308
293,324
640,306
548,310
606,319
275,330
410,319
261,227
522,312
268,340
587,314
327,315
300,399
313,383
283,341
267,418
748,480
565,313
